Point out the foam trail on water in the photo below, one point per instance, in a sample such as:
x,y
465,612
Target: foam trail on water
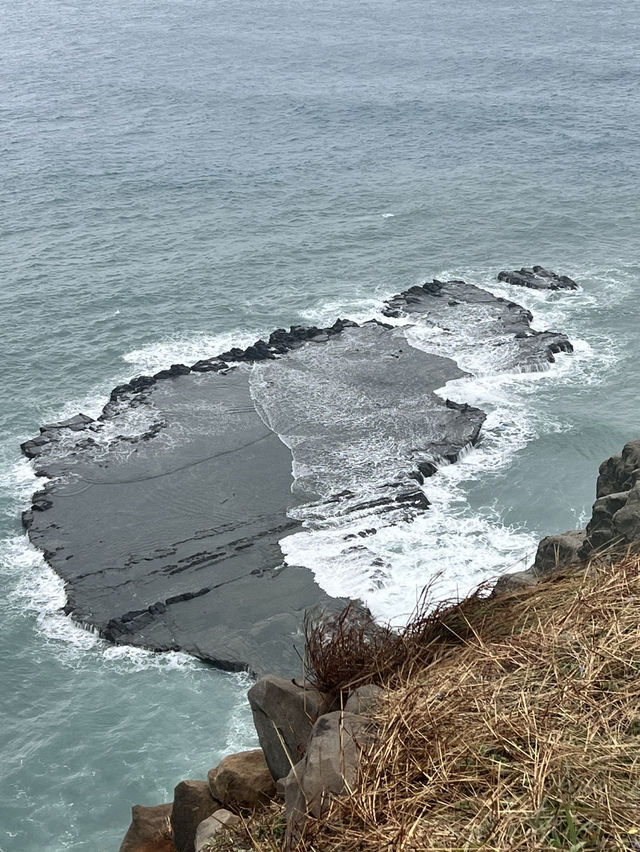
x,y
389,567
37,589
187,349
451,547
358,310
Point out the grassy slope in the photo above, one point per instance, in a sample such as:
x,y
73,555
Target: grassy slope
x,y
509,724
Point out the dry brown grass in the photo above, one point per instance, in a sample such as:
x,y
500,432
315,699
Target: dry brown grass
x,y
262,830
347,649
509,724
525,737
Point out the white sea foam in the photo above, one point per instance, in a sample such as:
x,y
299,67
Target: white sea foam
x,y
127,658
452,547
358,310
446,548
18,480
186,349
91,404
240,730
39,590
451,543
35,588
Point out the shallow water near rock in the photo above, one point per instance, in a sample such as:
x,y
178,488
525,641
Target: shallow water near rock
x,y
181,177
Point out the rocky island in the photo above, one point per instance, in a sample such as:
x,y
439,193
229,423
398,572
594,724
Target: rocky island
x,y
164,515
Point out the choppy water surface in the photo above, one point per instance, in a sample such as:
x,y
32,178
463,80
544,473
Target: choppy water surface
x,y
179,176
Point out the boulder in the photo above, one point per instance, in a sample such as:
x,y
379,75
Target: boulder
x,y
242,780
363,699
211,826
284,714
516,582
626,520
330,764
150,830
620,472
601,529
538,278
192,803
556,552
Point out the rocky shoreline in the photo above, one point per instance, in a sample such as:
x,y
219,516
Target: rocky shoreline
x,y
311,741
164,515
185,483
614,524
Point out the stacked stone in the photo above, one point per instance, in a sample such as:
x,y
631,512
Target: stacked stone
x,y
309,752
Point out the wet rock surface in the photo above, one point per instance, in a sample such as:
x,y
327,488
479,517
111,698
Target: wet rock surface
x,y
538,278
164,515
500,322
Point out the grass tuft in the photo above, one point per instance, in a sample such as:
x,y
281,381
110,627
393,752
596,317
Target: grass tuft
x,y
508,725
349,649
525,736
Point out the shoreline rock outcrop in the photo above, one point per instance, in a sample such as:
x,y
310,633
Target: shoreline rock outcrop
x,y
538,278
311,746
164,515
614,525
327,746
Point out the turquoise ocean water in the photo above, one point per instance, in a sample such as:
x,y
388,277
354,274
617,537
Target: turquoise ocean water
x,y
180,175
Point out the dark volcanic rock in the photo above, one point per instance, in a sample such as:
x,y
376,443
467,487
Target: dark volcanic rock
x,y
54,432
173,371
172,543
615,518
208,365
498,323
282,341
164,517
538,278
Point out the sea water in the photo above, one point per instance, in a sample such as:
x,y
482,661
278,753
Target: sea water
x,y
181,175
